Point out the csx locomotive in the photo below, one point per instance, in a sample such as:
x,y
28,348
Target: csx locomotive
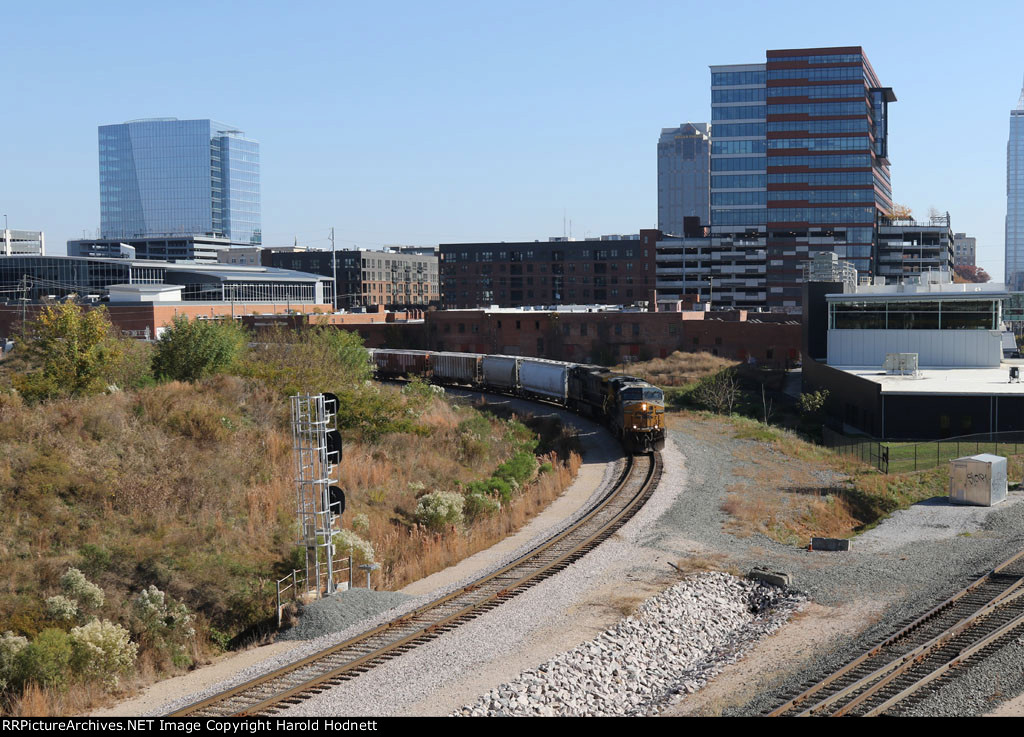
x,y
633,409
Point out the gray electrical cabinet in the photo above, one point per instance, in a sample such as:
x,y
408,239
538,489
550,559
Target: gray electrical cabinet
x,y
979,480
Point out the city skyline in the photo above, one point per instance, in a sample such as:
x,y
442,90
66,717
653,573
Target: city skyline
x,y
435,141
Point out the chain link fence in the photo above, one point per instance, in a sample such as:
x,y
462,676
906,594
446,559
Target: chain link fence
x,y
900,457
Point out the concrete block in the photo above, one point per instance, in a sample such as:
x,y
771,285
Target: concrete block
x,y
773,578
829,543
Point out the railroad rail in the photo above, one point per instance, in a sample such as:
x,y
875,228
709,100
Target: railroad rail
x,y
907,667
300,680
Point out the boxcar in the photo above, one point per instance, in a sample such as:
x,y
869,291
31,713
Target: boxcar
x,y
501,372
456,368
392,363
547,379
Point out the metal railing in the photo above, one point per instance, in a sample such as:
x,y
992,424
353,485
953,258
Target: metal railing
x,y
295,585
866,450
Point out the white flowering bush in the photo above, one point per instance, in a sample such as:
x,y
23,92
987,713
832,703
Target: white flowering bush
x,y
10,645
77,587
346,540
103,650
439,510
361,522
165,623
61,608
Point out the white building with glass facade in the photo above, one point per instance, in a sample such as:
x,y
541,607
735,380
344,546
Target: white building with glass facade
x,y
684,170
170,177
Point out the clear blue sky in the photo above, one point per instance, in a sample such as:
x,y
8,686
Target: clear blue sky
x,y
437,122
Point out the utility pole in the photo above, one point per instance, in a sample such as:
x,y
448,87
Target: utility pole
x,y
334,272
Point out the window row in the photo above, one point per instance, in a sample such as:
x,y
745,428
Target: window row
x,y
738,147
728,79
939,315
820,109
740,112
844,161
736,181
740,94
819,126
821,215
756,216
738,198
734,130
818,196
824,179
817,75
821,59
824,90
753,163
846,143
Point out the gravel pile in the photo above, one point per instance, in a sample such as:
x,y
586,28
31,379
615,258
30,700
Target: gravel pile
x,y
339,612
674,644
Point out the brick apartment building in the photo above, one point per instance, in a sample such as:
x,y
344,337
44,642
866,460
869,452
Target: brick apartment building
x,y
612,270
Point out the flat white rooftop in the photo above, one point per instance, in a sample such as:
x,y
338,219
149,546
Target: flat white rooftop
x,y
961,381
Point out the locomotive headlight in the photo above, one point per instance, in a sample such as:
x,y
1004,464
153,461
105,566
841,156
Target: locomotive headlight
x,y
643,407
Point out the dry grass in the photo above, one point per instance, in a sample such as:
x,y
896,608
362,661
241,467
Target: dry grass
x,y
780,492
678,369
189,487
414,553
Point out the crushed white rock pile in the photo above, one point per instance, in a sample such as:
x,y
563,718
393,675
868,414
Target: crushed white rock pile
x,y
673,644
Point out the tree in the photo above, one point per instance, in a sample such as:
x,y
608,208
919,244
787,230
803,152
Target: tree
x,y
190,350
719,392
971,274
75,348
901,212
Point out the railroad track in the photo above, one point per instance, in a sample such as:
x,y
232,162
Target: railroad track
x,y
300,680
909,666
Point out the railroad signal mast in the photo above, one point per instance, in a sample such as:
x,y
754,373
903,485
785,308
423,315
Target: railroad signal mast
x,y
316,445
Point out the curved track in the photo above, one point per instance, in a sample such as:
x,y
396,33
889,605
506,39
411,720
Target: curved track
x,y
342,662
908,666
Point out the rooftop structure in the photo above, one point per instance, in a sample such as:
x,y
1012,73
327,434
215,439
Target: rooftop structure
x,y
22,241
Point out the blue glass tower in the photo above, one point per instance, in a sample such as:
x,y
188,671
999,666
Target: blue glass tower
x,y
1015,199
166,176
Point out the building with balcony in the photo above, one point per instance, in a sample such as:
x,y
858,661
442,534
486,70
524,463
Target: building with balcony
x,y
367,279
22,242
907,248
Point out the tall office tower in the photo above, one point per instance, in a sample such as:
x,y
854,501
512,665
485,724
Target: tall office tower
x,y
1015,199
828,166
684,164
165,176
738,163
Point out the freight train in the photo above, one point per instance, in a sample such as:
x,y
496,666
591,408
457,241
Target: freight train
x,y
633,409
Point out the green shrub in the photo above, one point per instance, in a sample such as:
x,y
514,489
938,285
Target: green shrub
x,y
77,587
102,650
478,505
519,468
361,522
61,608
191,349
440,510
163,623
493,486
46,661
10,646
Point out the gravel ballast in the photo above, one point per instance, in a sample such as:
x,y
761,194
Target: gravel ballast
x,y
673,644
340,611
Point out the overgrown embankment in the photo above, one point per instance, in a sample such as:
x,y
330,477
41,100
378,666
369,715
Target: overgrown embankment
x,y
144,526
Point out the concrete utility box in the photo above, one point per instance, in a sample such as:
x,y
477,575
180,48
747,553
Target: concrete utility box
x,y
978,480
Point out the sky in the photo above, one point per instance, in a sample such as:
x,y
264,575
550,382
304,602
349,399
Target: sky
x,y
418,123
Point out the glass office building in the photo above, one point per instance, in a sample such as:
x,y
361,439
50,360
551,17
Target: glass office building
x,y
164,176
1015,200
684,163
